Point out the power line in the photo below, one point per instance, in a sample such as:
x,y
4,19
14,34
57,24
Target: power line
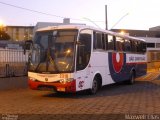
x,y
35,11
44,13
92,22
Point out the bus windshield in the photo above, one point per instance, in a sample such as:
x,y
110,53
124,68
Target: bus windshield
x,y
53,51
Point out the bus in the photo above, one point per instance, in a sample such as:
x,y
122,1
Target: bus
x,y
72,58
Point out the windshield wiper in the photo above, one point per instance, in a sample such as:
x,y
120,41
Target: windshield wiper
x,y
36,70
41,61
51,60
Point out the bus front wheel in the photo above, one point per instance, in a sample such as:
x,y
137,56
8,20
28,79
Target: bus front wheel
x,y
95,86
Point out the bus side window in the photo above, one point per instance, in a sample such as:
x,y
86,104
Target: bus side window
x,y
98,41
144,45
94,40
127,45
138,46
83,49
103,41
110,42
106,41
134,46
119,44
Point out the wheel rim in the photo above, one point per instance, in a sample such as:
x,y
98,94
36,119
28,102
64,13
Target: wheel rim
x,y
94,86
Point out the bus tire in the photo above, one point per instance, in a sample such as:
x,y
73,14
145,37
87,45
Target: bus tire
x,y
95,86
132,78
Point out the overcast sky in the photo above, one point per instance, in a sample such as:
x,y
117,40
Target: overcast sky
x,y
126,14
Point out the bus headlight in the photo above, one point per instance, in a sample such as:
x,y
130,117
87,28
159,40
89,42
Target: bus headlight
x,y
66,80
32,79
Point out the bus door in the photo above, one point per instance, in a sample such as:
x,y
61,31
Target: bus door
x,y
82,60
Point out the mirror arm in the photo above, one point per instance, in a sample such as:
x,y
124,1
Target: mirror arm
x,y
30,42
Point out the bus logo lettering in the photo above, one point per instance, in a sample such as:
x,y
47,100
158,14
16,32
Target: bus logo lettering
x,y
81,84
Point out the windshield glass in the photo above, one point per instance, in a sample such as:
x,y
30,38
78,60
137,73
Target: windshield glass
x,y
53,51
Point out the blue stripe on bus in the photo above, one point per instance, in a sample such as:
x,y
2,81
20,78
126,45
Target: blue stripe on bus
x,y
120,70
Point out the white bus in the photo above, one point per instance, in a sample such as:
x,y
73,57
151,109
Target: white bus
x,y
75,58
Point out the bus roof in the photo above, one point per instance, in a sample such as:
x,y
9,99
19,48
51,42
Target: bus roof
x,y
80,27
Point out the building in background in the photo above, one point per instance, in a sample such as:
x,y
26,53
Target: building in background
x,y
19,33
157,28
22,33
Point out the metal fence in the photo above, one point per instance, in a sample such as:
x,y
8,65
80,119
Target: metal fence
x,y
13,63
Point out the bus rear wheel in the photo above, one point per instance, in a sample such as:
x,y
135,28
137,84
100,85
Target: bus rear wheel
x,y
132,78
95,86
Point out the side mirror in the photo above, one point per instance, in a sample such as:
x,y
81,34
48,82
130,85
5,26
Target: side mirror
x,y
27,45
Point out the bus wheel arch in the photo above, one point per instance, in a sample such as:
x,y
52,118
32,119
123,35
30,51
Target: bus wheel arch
x,y
99,78
96,83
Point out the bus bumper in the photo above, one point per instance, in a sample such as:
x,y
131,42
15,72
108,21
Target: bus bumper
x,y
53,86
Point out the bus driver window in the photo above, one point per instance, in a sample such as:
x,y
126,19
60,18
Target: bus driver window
x,y
84,49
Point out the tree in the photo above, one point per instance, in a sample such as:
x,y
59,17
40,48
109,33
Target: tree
x,y
4,35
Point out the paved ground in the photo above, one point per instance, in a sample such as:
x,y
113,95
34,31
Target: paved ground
x,y
150,76
13,82
112,102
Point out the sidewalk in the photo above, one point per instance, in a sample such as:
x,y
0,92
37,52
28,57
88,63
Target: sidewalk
x,y
151,75
13,83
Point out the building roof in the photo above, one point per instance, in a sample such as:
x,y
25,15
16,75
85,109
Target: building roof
x,y
156,28
139,33
19,26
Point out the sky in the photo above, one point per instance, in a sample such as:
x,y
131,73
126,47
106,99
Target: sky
x,y
122,14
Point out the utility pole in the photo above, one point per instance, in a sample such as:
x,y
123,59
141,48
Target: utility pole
x,y
106,17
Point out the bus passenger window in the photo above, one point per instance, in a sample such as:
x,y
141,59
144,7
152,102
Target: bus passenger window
x,y
103,41
127,45
94,40
99,40
119,44
106,41
110,42
144,45
139,49
134,46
